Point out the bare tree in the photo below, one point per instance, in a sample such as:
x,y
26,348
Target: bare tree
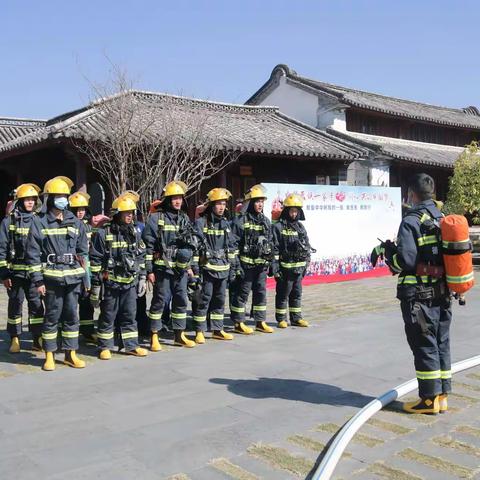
x,y
140,141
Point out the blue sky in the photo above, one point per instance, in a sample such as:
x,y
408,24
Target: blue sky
x,y
224,50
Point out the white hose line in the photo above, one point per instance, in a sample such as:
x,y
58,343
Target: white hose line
x,y
346,433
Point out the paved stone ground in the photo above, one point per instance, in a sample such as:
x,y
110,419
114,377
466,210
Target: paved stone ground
x,y
258,407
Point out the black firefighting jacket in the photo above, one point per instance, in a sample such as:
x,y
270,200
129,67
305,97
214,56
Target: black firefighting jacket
x,y
13,237
117,256
217,252
255,245
168,241
418,242
57,250
292,245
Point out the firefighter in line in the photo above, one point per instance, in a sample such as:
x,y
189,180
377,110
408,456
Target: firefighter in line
x,y
256,252
78,204
425,300
169,239
117,261
216,254
14,230
291,262
57,254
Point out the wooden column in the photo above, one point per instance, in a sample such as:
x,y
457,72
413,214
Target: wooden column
x,y
80,173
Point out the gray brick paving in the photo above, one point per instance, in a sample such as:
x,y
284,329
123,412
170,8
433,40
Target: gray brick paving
x,y
176,410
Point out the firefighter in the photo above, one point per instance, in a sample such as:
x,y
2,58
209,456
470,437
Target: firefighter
x,y
216,255
79,202
118,262
169,239
14,270
425,300
57,253
291,262
256,251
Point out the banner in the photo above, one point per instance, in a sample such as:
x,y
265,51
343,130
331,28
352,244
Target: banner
x,y
343,223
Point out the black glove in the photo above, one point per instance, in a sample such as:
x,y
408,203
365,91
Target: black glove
x,y
377,252
390,250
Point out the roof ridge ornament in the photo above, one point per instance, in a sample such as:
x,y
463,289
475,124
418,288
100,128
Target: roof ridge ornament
x,y
471,110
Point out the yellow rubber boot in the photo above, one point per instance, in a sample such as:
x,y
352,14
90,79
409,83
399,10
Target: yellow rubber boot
x,y
443,403
72,360
300,323
181,340
200,338
49,364
428,406
155,345
138,352
282,324
240,327
221,335
14,345
263,327
105,354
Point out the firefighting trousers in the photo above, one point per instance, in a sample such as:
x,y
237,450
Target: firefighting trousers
x,y
22,288
118,308
61,309
254,280
86,312
428,335
212,301
143,322
166,287
288,293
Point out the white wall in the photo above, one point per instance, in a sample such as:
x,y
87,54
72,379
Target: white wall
x,y
294,102
313,109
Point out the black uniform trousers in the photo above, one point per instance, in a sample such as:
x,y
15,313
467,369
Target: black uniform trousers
x,y
61,307
86,312
212,301
427,326
21,288
118,308
253,280
169,286
288,293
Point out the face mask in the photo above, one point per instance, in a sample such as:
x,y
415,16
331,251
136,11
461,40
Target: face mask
x,y
61,203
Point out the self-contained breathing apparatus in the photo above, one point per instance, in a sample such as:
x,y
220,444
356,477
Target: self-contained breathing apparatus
x,y
127,264
258,245
299,248
187,241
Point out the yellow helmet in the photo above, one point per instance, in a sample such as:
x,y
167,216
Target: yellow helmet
x,y
58,186
217,194
293,200
27,190
175,188
79,199
126,202
132,195
257,191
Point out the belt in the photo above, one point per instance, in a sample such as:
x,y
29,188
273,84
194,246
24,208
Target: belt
x,y
64,259
433,292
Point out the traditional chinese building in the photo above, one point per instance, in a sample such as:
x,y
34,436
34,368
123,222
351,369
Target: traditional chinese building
x,y
403,136
271,146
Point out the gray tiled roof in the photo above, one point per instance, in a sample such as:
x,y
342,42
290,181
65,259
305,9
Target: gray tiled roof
x,y
405,150
468,117
236,127
12,128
